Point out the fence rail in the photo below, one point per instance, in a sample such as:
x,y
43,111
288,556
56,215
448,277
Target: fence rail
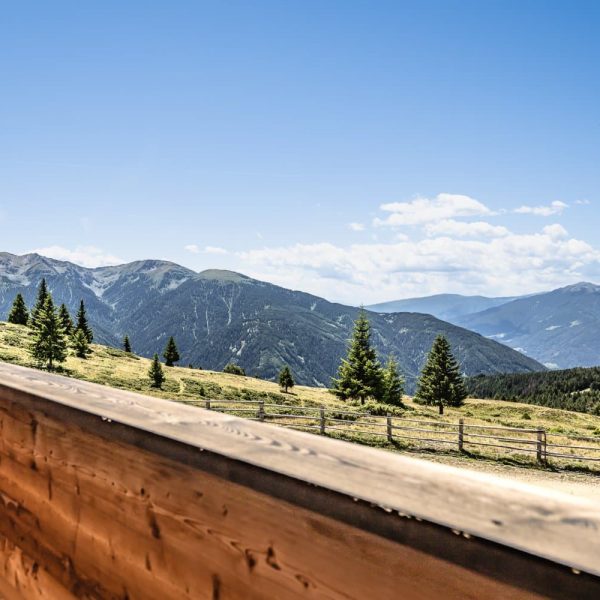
x,y
493,441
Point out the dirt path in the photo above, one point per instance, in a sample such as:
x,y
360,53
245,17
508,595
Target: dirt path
x,y
576,484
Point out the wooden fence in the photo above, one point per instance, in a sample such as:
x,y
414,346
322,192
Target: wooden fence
x,y
491,441
110,495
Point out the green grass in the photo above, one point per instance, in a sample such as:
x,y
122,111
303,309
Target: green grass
x,y
115,368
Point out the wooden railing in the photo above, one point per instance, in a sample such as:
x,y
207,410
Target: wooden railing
x,y
110,494
490,441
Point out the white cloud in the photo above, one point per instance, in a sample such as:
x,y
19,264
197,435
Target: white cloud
x,y
215,250
425,210
356,226
461,229
583,202
513,263
86,256
195,249
555,231
555,208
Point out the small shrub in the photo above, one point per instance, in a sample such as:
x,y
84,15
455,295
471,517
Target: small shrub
x,y
234,369
379,409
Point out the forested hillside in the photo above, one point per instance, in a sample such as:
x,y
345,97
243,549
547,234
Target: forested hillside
x,y
219,317
573,389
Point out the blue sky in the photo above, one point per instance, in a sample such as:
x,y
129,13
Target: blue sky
x,y
362,151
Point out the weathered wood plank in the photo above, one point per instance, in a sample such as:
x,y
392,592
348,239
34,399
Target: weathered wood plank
x,y
113,494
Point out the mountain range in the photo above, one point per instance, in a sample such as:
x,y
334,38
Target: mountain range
x,y
448,307
220,316
560,328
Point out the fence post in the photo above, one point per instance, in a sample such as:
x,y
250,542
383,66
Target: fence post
x,y
389,428
322,420
461,434
541,446
207,404
261,410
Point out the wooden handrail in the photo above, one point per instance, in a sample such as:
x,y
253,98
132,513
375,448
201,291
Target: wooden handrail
x,y
539,543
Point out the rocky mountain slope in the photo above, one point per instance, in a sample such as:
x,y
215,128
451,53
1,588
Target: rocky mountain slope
x,y
560,328
220,316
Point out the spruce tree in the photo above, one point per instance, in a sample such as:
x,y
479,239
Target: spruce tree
x,y
82,323
49,344
286,379
393,384
127,344
65,319
171,354
19,315
441,381
80,344
360,374
155,373
42,295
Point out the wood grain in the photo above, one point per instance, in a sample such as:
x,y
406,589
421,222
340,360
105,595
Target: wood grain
x,y
108,494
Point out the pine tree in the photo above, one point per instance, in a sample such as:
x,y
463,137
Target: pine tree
x,y
171,354
441,381
286,379
82,323
49,345
42,296
360,374
127,344
65,319
393,384
19,315
80,344
156,373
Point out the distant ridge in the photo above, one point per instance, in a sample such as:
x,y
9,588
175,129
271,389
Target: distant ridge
x,y
560,328
448,307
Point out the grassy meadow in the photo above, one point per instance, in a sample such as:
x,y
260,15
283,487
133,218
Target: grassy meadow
x,y
115,368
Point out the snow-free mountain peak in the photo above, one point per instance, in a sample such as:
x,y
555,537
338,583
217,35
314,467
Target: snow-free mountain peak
x,y
220,316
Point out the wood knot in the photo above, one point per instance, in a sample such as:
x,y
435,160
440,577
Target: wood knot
x,y
271,560
154,528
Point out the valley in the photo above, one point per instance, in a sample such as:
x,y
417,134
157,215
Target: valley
x,y
559,328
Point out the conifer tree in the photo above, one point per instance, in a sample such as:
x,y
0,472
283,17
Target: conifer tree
x,y
441,381
42,295
393,384
360,374
49,344
65,319
155,373
19,315
286,379
82,323
80,344
171,354
127,344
